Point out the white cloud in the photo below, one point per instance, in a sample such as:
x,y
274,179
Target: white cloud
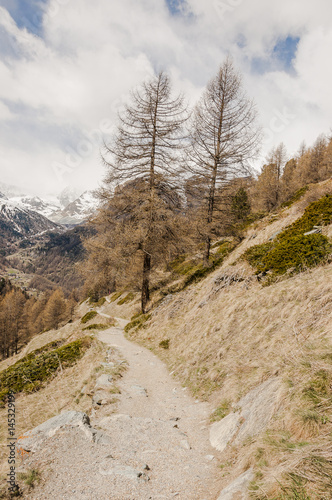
x,y
56,90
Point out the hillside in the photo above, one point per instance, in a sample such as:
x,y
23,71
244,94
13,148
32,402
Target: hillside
x,y
254,349
18,224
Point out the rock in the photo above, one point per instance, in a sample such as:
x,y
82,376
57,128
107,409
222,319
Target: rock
x,y
273,237
238,489
209,457
33,439
255,412
108,365
103,381
316,230
185,445
102,398
222,432
139,390
110,469
258,407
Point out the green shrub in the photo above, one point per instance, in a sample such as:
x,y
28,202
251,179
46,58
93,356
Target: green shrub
x,y
296,196
115,296
137,322
88,316
128,298
164,343
96,326
97,303
292,250
31,372
30,477
221,412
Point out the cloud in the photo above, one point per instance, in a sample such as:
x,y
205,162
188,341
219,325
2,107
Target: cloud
x,y
63,74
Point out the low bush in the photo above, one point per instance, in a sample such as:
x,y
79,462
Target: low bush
x,y
296,196
128,298
97,303
115,296
292,250
164,344
88,316
137,322
96,326
31,372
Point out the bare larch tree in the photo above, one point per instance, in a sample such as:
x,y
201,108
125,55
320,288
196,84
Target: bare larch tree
x,y
223,137
145,150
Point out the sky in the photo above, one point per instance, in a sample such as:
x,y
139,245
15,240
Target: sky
x,y
67,67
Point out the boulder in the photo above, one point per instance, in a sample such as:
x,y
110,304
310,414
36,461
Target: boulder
x,y
238,489
255,411
103,382
111,468
102,397
32,440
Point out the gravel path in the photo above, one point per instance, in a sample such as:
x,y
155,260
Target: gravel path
x,y
155,447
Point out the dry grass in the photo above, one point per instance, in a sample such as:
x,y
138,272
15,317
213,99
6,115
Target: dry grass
x,y
227,334
64,392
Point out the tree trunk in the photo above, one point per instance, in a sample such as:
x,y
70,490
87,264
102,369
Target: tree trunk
x,y
145,282
207,251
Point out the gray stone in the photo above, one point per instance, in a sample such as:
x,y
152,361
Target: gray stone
x,y
255,412
32,440
108,365
184,444
139,390
109,469
223,431
103,381
102,397
273,237
258,407
238,489
316,230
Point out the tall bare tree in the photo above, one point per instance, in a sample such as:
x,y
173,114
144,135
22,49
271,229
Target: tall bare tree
x,y
223,137
145,149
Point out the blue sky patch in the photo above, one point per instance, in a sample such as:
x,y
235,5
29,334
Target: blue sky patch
x,y
280,59
285,51
175,6
26,13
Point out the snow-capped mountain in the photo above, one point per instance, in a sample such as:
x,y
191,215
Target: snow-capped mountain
x,y
77,211
67,196
17,223
43,207
68,208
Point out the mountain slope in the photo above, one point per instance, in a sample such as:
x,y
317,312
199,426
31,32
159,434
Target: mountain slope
x,y
18,223
35,204
77,211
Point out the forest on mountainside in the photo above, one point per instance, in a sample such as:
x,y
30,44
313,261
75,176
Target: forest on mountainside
x,y
22,316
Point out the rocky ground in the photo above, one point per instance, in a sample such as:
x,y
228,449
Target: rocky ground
x,y
155,446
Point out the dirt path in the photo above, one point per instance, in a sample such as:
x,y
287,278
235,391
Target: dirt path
x,y
156,445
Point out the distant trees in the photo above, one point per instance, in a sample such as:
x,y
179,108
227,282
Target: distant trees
x,y
223,137
23,316
55,310
141,160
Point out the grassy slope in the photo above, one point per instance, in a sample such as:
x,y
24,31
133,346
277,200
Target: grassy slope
x,y
224,339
